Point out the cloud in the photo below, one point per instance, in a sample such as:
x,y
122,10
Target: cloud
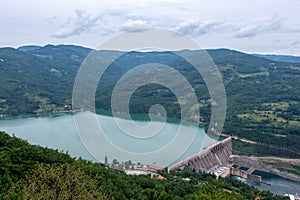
x,y
84,22
135,24
196,27
261,27
294,47
74,26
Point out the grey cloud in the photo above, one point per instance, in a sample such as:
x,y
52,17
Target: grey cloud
x,y
83,22
196,27
75,26
294,46
262,26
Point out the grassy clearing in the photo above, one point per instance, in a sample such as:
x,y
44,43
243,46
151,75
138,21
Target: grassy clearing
x,y
291,67
200,105
271,114
37,99
278,105
260,116
254,74
294,123
251,116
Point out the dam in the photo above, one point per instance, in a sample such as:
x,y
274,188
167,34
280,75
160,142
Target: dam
x,y
218,159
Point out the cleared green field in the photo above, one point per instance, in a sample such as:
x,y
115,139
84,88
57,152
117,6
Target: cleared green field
x,y
254,74
278,105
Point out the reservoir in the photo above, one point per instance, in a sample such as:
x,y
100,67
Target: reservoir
x,y
61,132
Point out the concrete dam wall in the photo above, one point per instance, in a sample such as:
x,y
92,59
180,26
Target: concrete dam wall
x,y
245,174
209,159
218,159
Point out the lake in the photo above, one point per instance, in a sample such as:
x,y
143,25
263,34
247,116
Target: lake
x,y
61,132
149,147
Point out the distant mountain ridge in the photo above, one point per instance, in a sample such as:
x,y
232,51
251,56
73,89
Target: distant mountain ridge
x,y
29,47
273,57
281,58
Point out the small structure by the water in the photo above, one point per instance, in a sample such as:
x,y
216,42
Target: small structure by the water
x,y
293,197
138,169
136,172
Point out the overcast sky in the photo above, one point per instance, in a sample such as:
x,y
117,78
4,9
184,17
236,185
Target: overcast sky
x,y
256,26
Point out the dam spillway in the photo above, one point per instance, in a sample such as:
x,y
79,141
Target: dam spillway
x,y
218,159
210,159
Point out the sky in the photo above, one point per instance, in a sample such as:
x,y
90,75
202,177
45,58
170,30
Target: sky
x,y
252,26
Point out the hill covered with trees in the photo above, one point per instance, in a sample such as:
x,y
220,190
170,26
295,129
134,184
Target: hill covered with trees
x,y
33,172
263,96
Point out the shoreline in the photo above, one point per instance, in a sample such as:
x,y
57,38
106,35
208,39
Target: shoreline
x,y
135,117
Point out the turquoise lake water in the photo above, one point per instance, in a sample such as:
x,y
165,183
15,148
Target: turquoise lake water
x,y
61,132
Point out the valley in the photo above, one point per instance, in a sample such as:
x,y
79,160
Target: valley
x,y
262,95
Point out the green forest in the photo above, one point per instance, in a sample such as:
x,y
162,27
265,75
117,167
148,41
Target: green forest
x,y
263,96
34,172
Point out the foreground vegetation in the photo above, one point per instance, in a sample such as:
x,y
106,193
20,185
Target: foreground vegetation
x,y
33,172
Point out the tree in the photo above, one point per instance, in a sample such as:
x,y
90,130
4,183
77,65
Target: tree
x,y
65,181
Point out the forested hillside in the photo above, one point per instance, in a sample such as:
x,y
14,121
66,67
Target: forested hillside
x,y
33,172
263,96
283,58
